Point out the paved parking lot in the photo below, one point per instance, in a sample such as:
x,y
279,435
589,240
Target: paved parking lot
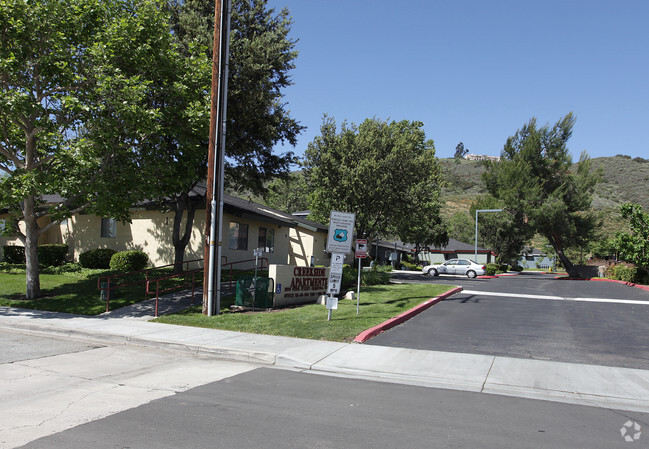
x,y
533,316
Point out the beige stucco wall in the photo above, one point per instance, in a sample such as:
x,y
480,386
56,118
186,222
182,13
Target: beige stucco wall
x,y
151,230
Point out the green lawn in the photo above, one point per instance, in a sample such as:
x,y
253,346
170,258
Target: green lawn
x,y
69,293
378,303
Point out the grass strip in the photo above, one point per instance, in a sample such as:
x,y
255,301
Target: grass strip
x,y
377,304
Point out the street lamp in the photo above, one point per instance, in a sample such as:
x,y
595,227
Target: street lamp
x,y
476,228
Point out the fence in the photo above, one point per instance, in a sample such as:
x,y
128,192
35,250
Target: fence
x,y
107,283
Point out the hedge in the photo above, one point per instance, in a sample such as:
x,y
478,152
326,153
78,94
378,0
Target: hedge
x,y
13,254
52,255
49,255
96,258
125,261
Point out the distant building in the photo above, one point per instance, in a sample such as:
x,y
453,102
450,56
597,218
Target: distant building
x,y
481,157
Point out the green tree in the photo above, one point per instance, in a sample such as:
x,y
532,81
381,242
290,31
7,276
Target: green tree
x,y
536,180
461,227
74,108
383,172
288,195
460,151
634,245
505,233
261,55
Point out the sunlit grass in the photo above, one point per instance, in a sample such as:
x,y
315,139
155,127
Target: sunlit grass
x,y
377,304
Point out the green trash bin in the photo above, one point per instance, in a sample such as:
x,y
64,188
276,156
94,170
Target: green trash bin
x,y
254,292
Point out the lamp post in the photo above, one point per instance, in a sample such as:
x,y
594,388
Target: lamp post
x,y
476,228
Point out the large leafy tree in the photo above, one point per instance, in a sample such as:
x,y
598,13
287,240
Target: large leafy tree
x,y
261,55
74,108
386,173
536,180
633,246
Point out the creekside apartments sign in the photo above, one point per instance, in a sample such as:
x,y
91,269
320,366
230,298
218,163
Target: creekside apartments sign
x,y
298,285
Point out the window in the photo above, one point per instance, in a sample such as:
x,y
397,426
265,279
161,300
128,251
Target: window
x,y
266,240
238,235
108,228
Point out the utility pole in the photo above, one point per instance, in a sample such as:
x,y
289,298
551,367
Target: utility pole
x,y
216,151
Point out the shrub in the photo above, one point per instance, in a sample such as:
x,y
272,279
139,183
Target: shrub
x,y
13,254
375,277
61,269
96,258
368,277
492,269
125,261
621,273
52,255
517,268
410,266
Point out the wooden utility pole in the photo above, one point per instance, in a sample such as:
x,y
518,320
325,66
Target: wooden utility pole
x,y
212,174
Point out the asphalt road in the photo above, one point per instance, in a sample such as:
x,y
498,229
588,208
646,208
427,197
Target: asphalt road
x,y
269,408
532,316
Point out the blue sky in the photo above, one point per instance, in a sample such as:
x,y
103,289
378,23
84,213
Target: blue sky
x,y
475,71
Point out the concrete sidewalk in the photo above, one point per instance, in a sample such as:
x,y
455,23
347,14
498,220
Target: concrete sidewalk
x,y
599,386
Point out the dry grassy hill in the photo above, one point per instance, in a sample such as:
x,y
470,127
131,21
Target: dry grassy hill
x,y
623,179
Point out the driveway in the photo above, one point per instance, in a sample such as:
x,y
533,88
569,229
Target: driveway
x,y
533,316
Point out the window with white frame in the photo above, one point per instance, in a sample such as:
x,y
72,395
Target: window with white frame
x,y
238,236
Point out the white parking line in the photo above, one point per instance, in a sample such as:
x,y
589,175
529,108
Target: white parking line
x,y
553,298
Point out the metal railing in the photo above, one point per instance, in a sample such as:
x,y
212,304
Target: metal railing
x,y
107,283
263,260
175,287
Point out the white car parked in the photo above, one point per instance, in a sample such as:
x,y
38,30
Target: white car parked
x,y
456,266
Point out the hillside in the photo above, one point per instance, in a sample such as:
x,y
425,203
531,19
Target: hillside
x,y
623,179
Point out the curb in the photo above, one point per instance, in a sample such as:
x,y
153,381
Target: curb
x,y
630,284
405,316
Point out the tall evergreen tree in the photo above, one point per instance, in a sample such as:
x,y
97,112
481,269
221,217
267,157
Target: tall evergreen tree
x,y
536,179
261,55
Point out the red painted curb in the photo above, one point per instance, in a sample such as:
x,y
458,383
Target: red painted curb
x,y
630,284
405,316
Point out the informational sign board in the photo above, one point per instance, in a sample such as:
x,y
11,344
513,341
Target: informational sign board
x,y
332,303
361,248
258,252
333,286
341,232
337,261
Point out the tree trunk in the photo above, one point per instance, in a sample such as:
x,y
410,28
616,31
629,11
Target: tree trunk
x,y
31,248
183,203
567,264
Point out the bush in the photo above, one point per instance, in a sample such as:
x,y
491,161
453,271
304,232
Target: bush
x,y
96,258
492,269
49,255
368,277
517,268
375,277
410,266
61,269
621,273
125,261
13,254
52,255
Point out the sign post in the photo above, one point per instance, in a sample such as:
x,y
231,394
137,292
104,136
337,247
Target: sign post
x,y
339,243
361,253
258,252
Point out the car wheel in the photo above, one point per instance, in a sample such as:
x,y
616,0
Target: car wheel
x,y
471,274
434,272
